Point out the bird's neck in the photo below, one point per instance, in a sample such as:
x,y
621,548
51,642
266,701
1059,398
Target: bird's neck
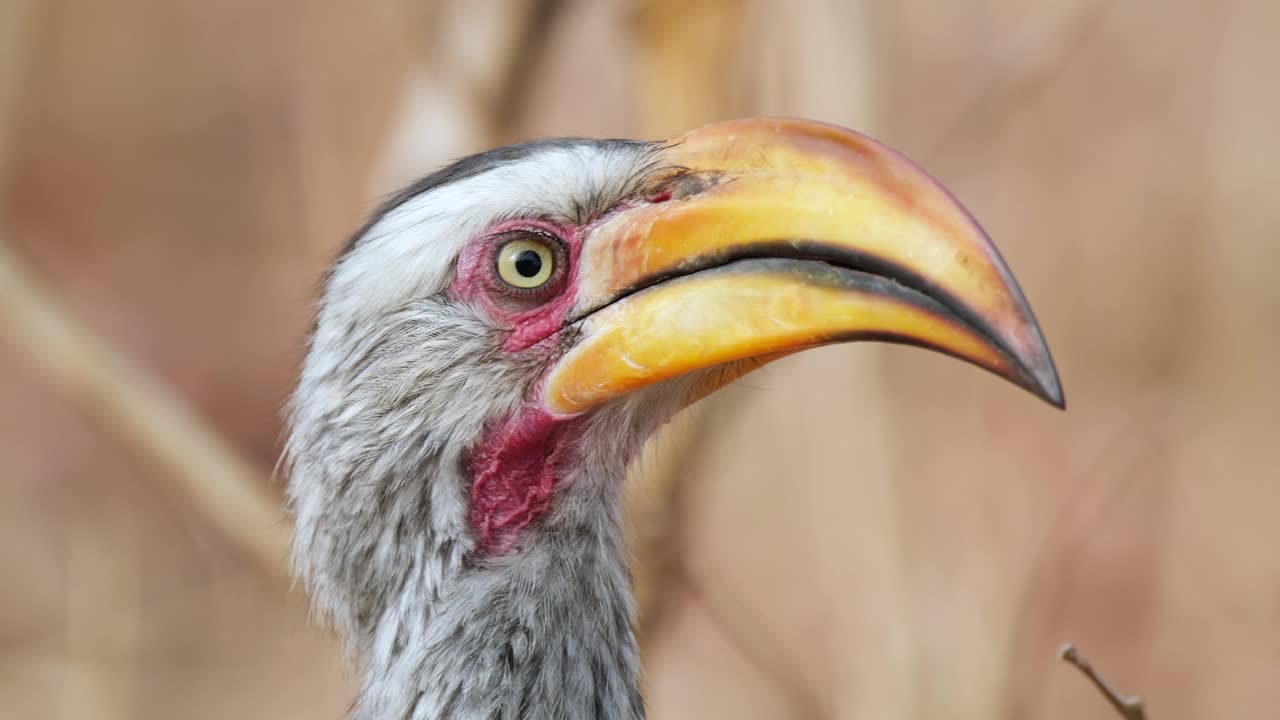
x,y
541,631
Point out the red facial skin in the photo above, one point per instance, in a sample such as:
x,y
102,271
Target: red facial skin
x,y
515,465
514,471
532,316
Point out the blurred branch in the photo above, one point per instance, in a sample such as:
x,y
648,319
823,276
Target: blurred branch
x,y
1026,68
525,60
16,36
689,62
747,632
495,97
684,52
1123,465
1129,707
656,507
143,413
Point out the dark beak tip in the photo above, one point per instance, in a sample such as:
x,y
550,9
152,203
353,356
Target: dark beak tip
x,y
1041,378
1030,353
1051,392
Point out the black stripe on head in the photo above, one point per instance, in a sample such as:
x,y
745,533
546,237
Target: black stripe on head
x,y
474,165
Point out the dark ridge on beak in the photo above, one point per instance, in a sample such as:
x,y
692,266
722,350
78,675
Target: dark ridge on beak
x,y
1040,379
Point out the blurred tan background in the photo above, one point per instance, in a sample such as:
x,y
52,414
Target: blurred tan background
x,y
857,532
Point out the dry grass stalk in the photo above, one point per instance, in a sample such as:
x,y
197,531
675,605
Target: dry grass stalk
x,y
144,414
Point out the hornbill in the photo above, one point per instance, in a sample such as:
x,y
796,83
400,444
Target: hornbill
x,y
502,336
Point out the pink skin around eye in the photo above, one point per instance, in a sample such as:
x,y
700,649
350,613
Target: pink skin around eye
x,y
516,463
477,281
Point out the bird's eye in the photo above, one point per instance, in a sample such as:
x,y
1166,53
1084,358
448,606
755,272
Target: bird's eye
x,y
527,263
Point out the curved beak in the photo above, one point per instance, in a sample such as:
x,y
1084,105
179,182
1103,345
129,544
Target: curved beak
x,y
771,236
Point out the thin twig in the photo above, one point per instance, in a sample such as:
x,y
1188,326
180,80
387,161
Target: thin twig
x,y
143,413
1103,483
1129,706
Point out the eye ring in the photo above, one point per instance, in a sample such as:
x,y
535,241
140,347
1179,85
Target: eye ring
x,y
527,262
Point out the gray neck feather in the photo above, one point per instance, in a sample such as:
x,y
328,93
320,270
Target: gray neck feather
x,y
378,487
383,543
544,632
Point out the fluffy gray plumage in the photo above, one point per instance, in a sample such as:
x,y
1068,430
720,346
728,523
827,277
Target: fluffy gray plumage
x,y
399,383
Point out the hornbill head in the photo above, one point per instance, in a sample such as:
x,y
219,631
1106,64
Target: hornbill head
x,y
500,339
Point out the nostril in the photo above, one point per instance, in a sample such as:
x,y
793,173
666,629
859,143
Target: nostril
x,y
689,184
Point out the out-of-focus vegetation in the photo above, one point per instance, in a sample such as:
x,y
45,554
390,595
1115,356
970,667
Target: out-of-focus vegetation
x,y
861,531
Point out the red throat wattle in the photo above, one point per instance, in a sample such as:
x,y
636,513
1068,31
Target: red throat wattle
x,y
514,471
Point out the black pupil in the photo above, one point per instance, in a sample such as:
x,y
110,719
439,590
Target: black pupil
x,y
528,264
